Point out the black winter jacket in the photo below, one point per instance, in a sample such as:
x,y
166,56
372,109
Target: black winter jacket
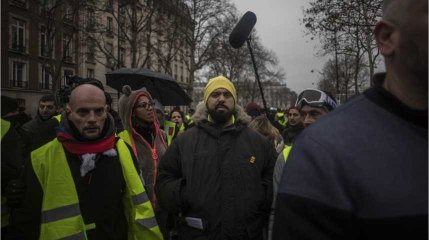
x,y
223,176
100,194
37,133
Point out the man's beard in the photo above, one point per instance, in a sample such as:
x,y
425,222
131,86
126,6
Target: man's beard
x,y
220,116
415,60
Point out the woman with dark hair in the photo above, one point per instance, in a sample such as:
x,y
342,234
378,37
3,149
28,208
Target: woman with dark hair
x,y
178,125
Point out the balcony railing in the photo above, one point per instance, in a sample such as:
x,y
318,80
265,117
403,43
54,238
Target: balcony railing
x,y
45,85
18,47
18,84
109,33
90,57
68,59
90,26
19,3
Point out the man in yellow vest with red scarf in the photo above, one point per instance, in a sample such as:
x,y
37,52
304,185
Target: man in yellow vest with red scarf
x,y
84,184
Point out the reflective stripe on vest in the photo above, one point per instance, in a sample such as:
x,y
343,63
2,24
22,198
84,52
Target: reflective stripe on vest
x,y
283,122
61,217
5,126
286,152
60,213
138,207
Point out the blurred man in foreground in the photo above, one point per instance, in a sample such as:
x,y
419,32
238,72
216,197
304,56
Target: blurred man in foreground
x,y
361,172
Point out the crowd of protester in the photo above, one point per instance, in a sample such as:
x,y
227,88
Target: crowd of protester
x,y
316,170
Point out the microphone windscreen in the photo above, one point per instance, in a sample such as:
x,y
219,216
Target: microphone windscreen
x,y
242,30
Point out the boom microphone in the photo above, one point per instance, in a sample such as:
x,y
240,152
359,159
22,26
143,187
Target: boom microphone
x,y
242,30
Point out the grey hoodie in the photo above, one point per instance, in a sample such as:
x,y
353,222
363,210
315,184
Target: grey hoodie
x,y
147,155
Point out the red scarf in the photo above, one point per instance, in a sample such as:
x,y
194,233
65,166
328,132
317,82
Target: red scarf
x,y
75,147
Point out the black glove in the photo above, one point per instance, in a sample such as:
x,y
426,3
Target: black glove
x,y
15,191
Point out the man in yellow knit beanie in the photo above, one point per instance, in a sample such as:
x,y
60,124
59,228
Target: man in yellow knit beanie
x,y
219,82
218,174
220,97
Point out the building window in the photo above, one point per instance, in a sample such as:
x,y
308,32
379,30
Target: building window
x,y
149,62
90,23
46,82
67,73
159,65
68,13
109,5
122,11
90,50
122,56
110,62
46,6
68,48
18,35
109,28
90,73
19,74
44,52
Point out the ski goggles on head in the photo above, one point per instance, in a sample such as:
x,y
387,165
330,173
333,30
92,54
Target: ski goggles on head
x,y
315,98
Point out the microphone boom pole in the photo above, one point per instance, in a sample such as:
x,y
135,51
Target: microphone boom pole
x,y
255,68
242,33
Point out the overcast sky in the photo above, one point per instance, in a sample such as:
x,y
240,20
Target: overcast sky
x,y
279,29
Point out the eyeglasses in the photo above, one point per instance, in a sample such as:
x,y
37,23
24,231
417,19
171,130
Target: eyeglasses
x,y
315,98
144,105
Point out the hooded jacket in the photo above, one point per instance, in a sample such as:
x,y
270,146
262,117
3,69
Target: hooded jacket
x,y
148,151
222,176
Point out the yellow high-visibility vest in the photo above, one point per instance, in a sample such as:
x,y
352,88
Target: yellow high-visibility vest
x,y
5,126
282,122
58,117
170,128
286,152
61,216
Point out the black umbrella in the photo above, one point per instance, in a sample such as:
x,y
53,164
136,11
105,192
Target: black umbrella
x,y
161,86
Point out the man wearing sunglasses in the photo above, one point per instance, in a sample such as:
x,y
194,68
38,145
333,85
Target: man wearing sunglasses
x,y
218,174
361,171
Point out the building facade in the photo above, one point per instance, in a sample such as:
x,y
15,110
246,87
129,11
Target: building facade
x,y
276,94
45,42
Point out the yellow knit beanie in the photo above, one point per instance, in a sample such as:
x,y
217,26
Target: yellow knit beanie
x,y
219,82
